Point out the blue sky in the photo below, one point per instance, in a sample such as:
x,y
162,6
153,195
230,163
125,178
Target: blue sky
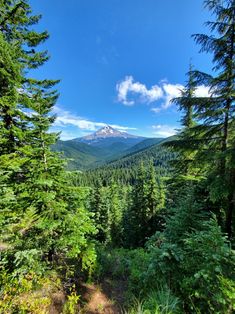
x,y
120,61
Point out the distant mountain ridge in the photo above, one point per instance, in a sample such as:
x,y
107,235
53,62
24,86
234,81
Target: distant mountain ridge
x,y
101,147
111,139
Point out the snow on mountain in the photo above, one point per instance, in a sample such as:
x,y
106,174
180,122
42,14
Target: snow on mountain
x,y
107,132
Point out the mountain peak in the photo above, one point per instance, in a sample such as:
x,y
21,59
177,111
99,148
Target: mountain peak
x,y
107,132
107,129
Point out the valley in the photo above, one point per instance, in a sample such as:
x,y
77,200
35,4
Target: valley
x,y
102,147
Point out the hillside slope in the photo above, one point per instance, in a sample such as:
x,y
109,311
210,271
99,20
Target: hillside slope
x,y
80,155
124,170
156,152
146,143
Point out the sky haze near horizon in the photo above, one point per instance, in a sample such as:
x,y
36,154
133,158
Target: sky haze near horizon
x,y
120,62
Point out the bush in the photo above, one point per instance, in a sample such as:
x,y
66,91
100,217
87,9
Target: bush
x,y
208,268
28,294
199,267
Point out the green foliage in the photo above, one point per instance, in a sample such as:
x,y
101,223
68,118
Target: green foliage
x,y
131,265
161,301
50,218
117,198
100,208
209,265
124,170
107,205
194,262
112,263
42,223
30,293
208,145
143,217
71,305
124,264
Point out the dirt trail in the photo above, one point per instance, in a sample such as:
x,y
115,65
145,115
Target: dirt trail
x,y
107,298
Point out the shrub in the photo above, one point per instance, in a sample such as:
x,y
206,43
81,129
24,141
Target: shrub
x,y
199,267
29,294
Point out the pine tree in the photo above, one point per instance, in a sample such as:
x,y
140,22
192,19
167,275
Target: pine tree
x,y
116,214
217,111
209,144
99,206
143,218
135,216
10,115
186,101
183,144
154,202
10,129
41,217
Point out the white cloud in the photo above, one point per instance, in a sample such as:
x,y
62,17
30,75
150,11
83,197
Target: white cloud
x,y
171,91
131,92
120,128
128,88
164,130
65,118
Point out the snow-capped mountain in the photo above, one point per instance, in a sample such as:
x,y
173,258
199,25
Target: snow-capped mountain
x,y
106,132
107,136
101,147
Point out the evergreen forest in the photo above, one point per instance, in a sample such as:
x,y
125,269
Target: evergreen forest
x,y
154,229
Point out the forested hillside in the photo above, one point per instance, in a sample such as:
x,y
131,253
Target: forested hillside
x,y
124,169
80,155
153,229
89,153
99,148
143,144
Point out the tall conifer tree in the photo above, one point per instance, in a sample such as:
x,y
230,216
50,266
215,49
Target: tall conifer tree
x,y
42,215
116,214
218,111
211,141
99,206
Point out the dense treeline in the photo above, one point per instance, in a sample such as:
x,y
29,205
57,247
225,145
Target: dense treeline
x,y
127,215
162,220
125,170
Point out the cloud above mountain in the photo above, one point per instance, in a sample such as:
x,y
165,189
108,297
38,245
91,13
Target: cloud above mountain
x,y
65,118
130,93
